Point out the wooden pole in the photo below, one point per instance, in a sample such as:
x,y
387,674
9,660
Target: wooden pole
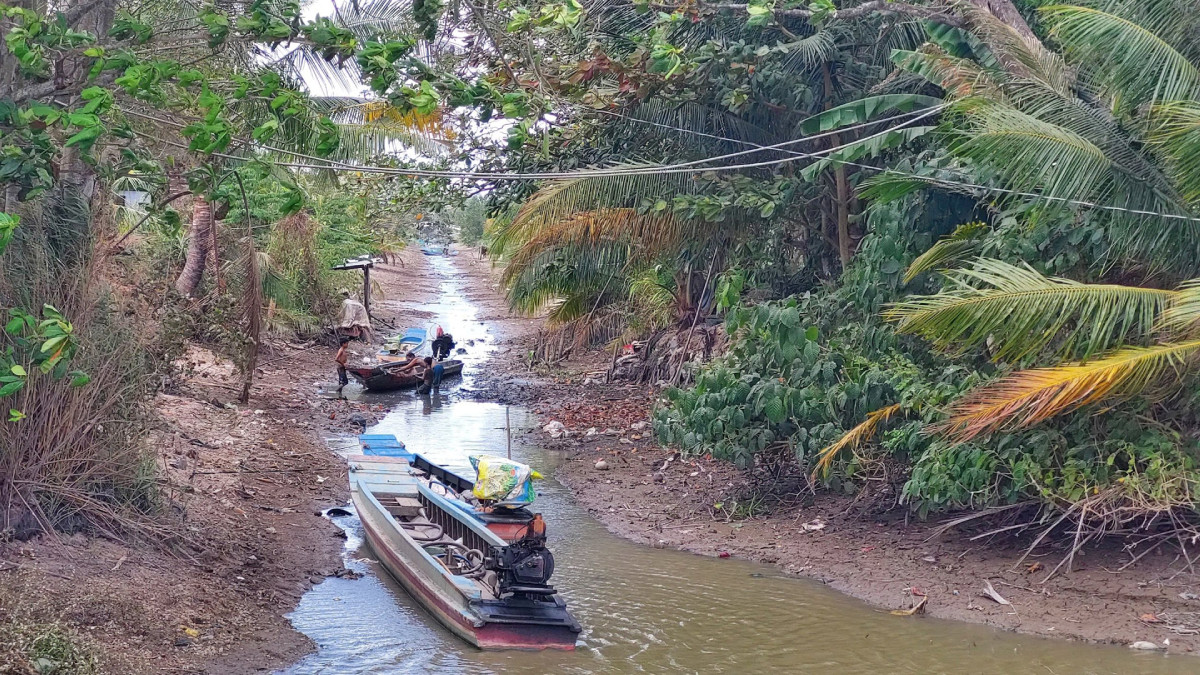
x,y
367,289
508,432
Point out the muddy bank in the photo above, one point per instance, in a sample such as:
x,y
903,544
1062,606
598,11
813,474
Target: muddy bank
x,y
244,485
651,495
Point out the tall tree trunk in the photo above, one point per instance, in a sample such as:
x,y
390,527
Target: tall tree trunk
x,y
214,255
1007,12
845,245
252,299
199,238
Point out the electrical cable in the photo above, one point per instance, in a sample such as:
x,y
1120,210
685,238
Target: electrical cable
x,y
682,167
945,182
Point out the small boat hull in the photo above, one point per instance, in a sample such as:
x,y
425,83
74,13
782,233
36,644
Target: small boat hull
x,y
384,378
451,615
464,606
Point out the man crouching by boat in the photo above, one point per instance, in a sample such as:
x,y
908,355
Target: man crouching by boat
x,y
432,377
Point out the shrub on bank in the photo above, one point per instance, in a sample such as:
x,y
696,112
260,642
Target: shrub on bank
x,y
73,454
822,378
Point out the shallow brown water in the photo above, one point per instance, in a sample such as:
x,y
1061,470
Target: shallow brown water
x,y
642,609
656,611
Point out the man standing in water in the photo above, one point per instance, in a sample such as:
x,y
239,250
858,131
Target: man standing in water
x,y
432,378
342,358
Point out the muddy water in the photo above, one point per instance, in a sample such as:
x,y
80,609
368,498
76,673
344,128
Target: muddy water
x,y
646,610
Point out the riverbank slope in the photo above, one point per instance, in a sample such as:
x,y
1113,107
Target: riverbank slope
x,y
244,487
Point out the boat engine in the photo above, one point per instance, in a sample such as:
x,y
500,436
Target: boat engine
x,y
524,566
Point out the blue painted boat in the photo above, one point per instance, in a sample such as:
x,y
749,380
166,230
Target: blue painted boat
x,y
483,574
397,349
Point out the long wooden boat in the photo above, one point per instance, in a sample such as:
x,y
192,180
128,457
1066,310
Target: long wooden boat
x,y
482,575
388,378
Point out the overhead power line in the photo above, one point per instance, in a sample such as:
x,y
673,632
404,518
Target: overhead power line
x,y
681,167
333,165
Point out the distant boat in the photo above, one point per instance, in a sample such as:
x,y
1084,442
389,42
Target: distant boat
x,y
438,250
482,573
397,349
387,377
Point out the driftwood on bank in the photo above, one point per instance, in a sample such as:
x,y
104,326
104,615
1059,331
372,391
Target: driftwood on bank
x,y
669,356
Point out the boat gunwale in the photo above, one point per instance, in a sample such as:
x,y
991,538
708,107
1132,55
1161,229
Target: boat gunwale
x,y
441,593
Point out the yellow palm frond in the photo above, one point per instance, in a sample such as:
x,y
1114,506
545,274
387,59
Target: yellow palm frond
x,y
1182,317
854,437
589,229
428,123
561,200
1027,397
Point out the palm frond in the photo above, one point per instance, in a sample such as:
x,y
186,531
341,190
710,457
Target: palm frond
x,y
564,275
373,19
1010,56
1028,154
1175,133
560,200
1020,312
959,77
964,240
1028,397
853,438
809,52
1126,51
371,128
698,122
1182,317
637,234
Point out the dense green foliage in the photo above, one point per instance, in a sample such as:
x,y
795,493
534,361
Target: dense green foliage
x,y
943,236
802,372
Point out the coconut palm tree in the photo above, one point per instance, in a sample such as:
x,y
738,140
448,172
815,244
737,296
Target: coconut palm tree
x,y
578,246
1104,129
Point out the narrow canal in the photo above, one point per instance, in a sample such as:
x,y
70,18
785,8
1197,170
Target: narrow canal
x,y
645,610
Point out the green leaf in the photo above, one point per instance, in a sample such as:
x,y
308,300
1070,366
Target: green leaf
x,y
79,378
11,388
862,110
85,139
18,370
53,343
8,225
15,415
774,411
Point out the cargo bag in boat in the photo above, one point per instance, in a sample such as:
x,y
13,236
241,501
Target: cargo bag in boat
x,y
503,481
